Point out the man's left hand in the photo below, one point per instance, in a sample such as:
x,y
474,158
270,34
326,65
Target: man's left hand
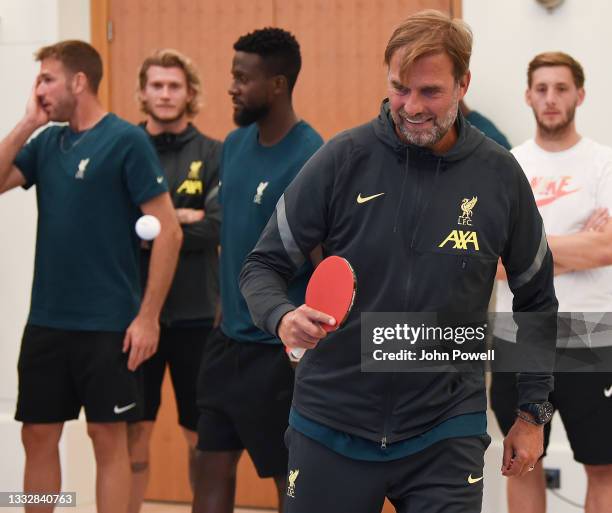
x,y
522,448
141,339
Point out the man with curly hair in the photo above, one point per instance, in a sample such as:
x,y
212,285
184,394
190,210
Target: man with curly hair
x,y
169,94
246,381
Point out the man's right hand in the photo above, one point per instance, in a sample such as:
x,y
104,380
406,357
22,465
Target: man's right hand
x,y
141,340
189,215
35,115
302,327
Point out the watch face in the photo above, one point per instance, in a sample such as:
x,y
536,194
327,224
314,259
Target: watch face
x,y
542,412
545,413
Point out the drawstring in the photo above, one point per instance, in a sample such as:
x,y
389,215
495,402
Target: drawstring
x,y
437,173
401,201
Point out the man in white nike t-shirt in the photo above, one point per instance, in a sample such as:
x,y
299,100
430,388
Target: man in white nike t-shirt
x,y
571,178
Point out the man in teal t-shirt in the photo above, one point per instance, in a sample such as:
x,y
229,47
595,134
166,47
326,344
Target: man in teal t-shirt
x,y
87,331
485,125
246,381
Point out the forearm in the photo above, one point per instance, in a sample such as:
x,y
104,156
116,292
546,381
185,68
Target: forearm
x,y
164,256
267,304
501,275
10,146
201,235
533,387
201,226
265,276
560,269
582,250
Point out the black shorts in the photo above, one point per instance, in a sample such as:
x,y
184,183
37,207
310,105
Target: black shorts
x,y
445,477
60,371
244,395
181,350
582,402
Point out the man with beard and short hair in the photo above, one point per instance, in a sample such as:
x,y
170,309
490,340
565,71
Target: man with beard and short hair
x,y
169,93
246,381
571,178
94,176
386,196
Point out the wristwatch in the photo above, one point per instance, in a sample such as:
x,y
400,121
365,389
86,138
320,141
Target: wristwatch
x,y
541,412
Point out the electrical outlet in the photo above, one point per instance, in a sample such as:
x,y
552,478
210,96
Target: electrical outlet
x,y
553,478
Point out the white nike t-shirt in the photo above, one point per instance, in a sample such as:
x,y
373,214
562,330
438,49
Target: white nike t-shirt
x,y
567,185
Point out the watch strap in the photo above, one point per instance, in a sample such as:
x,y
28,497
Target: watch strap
x,y
526,418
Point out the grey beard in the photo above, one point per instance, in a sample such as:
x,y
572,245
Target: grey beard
x,y
435,133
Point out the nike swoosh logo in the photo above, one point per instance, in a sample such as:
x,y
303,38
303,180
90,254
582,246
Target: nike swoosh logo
x,y
608,391
160,179
118,410
361,199
550,199
473,480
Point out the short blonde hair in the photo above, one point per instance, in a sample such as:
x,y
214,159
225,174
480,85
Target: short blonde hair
x,y
429,32
169,58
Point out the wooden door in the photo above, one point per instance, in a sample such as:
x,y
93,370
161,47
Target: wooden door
x,y
341,85
342,80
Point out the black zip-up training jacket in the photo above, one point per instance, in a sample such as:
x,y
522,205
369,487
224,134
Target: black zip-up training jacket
x,y
191,164
396,244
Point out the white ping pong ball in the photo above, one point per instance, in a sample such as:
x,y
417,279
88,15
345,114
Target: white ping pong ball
x,y
148,227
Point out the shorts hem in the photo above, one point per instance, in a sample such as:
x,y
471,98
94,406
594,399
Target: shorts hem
x,y
25,419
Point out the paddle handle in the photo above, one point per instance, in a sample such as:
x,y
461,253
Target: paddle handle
x,y
298,352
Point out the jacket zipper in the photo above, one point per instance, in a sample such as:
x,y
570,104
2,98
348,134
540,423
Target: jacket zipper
x,y
413,223
402,193
390,388
415,220
390,382
419,218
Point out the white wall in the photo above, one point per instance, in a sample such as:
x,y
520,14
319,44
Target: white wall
x,y
25,26
507,35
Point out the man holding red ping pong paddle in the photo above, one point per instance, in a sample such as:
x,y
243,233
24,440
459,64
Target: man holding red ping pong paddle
x,y
421,205
331,290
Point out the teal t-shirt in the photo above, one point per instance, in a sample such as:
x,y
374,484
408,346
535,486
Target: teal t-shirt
x,y
487,127
89,186
253,178
357,448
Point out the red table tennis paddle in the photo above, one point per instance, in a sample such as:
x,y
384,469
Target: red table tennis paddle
x,y
331,290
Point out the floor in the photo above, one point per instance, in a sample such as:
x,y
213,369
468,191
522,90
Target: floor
x,y
164,507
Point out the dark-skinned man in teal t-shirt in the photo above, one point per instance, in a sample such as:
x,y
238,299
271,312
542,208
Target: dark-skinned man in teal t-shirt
x,y
246,381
